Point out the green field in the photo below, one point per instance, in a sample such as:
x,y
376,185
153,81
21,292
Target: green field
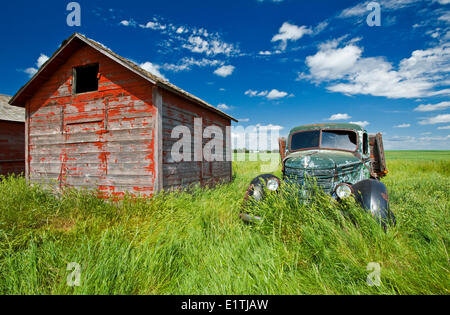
x,y
195,243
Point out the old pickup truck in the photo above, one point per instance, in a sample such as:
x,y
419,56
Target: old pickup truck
x,y
343,160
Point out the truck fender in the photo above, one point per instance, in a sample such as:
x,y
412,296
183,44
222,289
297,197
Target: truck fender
x,y
372,195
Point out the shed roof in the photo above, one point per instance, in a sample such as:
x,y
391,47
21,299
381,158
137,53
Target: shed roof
x,y
72,44
10,113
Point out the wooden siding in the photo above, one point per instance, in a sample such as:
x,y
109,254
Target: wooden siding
x,y
12,147
180,112
102,139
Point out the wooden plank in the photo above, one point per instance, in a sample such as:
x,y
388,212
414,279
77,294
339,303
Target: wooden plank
x,y
158,159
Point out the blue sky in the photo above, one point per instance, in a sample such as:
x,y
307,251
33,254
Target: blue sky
x,y
277,63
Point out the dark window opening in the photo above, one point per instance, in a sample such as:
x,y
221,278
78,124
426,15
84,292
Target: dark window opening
x,y
340,140
85,79
366,144
305,140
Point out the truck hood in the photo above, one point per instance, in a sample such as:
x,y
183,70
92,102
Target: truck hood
x,y
320,159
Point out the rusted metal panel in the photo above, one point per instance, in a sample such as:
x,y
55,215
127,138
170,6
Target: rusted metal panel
x,y
12,147
377,155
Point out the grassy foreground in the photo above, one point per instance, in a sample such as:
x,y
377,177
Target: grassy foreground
x,y
194,243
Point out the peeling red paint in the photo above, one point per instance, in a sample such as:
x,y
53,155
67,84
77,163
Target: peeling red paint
x,y
106,139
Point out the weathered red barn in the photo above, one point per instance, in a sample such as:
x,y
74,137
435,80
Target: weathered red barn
x,y
12,138
97,120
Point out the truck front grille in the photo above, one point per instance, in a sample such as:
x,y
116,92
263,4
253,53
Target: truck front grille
x,y
324,179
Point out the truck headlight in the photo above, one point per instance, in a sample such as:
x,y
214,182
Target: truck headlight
x,y
344,191
273,184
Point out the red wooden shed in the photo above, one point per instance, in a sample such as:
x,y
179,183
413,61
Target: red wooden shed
x,y
97,120
12,138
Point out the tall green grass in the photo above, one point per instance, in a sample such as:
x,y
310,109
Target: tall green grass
x,y
195,243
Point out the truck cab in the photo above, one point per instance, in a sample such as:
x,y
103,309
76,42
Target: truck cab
x,y
343,160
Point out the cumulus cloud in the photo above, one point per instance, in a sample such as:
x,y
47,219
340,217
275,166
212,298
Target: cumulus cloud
x,y
197,40
39,63
275,94
272,95
290,32
363,124
223,107
209,45
153,69
186,64
224,71
154,25
340,117
350,73
403,126
432,107
130,22
439,119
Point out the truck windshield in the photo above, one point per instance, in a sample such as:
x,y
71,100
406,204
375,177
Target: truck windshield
x,y
305,140
339,140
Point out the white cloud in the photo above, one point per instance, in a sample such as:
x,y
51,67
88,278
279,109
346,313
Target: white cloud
x,y
154,25
30,71
363,124
41,60
437,138
275,94
290,32
272,95
223,107
333,63
224,71
445,17
210,45
350,73
197,40
340,117
253,93
444,128
403,126
39,63
432,108
243,120
186,64
153,69
439,119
